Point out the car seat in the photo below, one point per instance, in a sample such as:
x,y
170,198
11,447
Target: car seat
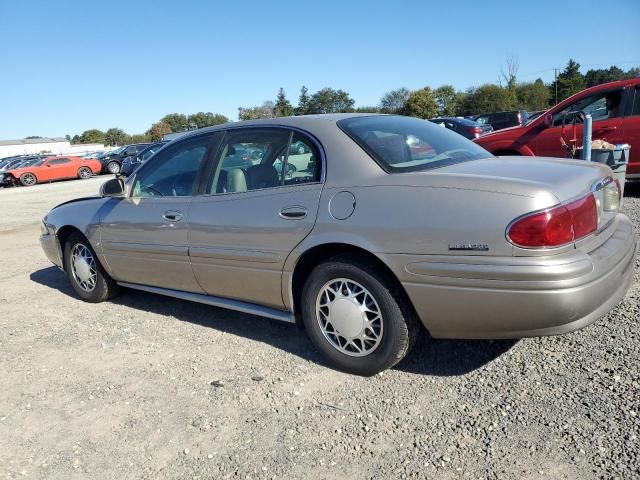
x,y
262,176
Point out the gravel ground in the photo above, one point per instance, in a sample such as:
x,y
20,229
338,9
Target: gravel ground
x,y
151,387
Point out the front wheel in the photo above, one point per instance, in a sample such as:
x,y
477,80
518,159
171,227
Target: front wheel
x,y
87,277
28,179
356,316
113,167
84,173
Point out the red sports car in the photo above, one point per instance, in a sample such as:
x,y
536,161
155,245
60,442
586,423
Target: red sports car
x,y
53,168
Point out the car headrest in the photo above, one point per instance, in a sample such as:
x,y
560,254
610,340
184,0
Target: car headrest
x,y
262,176
236,180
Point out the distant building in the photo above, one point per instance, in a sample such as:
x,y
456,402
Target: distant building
x,y
55,145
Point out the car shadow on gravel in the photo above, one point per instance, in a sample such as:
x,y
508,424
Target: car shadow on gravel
x,y
428,357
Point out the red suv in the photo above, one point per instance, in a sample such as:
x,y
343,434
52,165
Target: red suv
x,y
614,107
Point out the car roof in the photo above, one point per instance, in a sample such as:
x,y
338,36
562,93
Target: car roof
x,y
300,121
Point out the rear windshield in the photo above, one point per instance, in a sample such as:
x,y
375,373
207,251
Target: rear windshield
x,y
407,144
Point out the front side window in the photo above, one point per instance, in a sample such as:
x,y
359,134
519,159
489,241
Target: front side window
x,y
173,172
59,161
600,106
635,108
405,144
259,158
145,155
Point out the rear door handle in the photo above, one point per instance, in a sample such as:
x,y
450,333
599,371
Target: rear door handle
x,y
172,216
293,213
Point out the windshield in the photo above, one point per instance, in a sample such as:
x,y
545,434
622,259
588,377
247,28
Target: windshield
x,y
36,162
117,151
407,144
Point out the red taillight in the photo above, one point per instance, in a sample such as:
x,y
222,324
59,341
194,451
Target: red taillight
x,y
556,226
584,215
476,130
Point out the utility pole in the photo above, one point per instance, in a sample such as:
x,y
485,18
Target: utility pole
x,y
555,71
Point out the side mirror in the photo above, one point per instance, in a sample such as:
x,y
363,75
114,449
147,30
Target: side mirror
x,y
112,188
548,120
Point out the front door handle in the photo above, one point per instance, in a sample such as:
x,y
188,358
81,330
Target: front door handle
x,y
172,216
293,213
605,129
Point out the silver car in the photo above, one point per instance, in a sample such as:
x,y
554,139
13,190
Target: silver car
x,y
388,224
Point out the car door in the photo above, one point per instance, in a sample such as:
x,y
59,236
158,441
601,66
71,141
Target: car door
x,y
631,131
54,169
257,206
607,125
144,236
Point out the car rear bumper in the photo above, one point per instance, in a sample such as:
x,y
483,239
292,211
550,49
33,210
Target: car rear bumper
x,y
498,297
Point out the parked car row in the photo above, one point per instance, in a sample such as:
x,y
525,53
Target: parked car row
x,y
28,171
614,108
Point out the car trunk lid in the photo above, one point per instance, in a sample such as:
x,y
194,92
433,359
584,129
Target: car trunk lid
x,y
529,176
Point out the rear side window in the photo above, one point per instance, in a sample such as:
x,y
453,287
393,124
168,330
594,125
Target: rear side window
x,y
260,158
59,161
635,109
405,144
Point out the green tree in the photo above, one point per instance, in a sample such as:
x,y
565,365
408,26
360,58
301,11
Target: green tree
x,y
533,95
140,138
159,130
486,98
328,100
261,111
570,81
68,137
206,119
394,101
75,139
422,104
303,102
115,136
177,122
365,109
604,75
282,106
32,137
92,136
447,99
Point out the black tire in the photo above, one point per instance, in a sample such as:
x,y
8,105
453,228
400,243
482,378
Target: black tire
x,y
400,325
113,167
84,173
104,287
28,179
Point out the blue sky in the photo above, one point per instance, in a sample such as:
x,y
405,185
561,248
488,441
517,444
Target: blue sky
x,y
72,65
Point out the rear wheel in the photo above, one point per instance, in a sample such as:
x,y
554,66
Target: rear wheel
x,y
357,318
28,179
87,277
113,167
84,173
